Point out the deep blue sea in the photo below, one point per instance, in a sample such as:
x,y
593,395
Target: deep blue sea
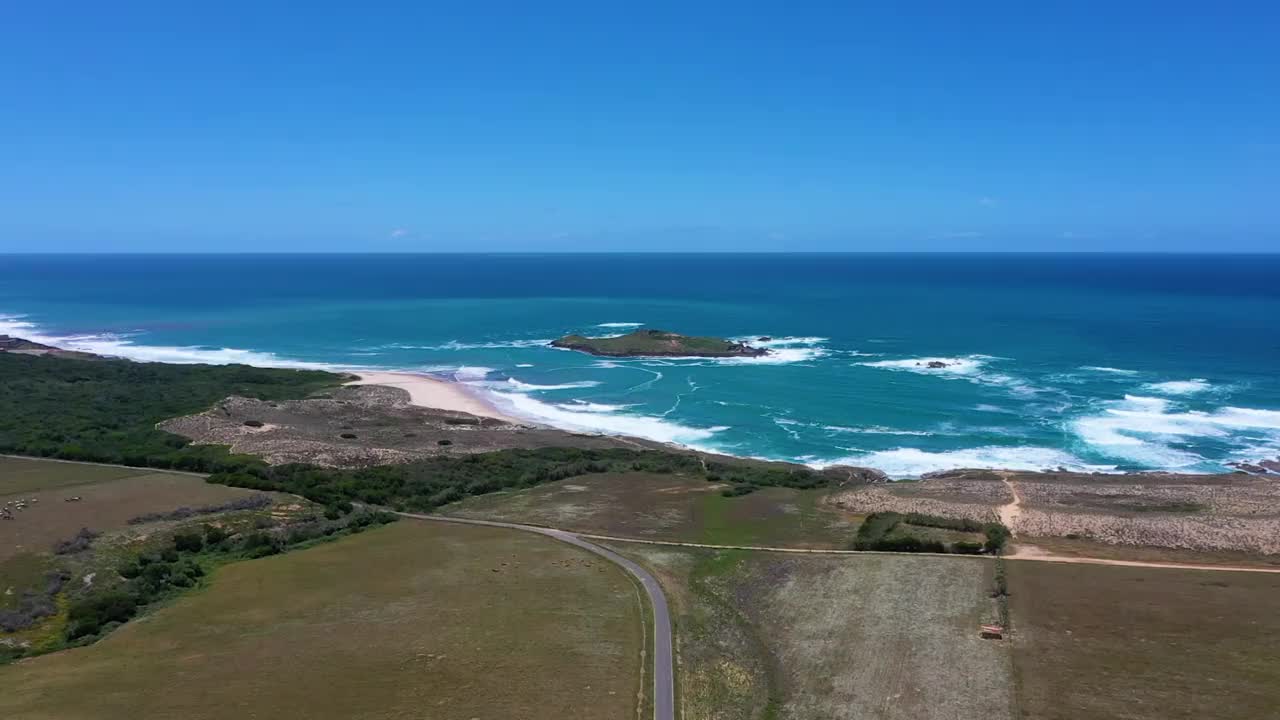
x,y
1108,362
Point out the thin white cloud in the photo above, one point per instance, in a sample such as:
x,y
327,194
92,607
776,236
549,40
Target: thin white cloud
x,y
398,233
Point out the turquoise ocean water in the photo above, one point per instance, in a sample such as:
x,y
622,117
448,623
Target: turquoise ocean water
x,y
1108,362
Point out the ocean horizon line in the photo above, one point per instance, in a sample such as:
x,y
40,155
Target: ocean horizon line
x,y
686,253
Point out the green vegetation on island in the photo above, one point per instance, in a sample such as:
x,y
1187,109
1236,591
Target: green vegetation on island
x,y
658,343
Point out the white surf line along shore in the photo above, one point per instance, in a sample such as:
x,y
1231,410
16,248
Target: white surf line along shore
x,y
431,392
664,693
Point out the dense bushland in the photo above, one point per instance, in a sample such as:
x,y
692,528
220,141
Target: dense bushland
x,y
427,484
106,410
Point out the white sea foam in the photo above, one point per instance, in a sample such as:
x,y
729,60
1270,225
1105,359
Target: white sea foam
x,y
776,342
607,423
913,462
590,407
777,356
787,425
518,386
524,365
967,366
471,374
1113,371
972,368
874,430
123,346
1178,387
1145,430
486,345
619,325
985,407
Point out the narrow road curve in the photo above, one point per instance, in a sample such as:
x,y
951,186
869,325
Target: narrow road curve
x,y
664,694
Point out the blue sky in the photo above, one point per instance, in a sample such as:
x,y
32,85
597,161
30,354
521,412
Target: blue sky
x,y
665,126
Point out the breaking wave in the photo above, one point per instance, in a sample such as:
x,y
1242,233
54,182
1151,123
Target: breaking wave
x,y
874,430
619,325
459,345
591,407
972,368
1145,431
123,346
1178,387
518,386
912,462
600,420
1113,371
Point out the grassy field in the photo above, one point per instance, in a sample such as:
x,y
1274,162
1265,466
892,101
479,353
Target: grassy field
x,y
768,635
411,620
110,496
1084,547
1139,643
671,507
21,475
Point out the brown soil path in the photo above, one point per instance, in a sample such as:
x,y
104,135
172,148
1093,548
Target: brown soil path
x,y
1011,511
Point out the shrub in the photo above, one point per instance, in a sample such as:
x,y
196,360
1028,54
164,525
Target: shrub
x,y
188,542
35,605
444,442
923,520
997,536
214,535
80,542
169,555
253,423
738,490
967,548
874,528
88,615
348,436
252,502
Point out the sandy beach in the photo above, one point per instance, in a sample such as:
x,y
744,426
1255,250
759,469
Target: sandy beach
x,y
427,391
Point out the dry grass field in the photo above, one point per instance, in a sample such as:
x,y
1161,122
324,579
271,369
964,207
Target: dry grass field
x,y
1202,513
769,635
974,498
110,496
411,620
1144,644
671,507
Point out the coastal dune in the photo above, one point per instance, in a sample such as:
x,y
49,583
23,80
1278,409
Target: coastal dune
x,y
429,392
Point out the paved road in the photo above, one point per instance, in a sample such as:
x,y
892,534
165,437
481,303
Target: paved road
x,y
664,697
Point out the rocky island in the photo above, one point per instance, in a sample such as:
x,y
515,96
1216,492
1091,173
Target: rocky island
x,y
658,343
